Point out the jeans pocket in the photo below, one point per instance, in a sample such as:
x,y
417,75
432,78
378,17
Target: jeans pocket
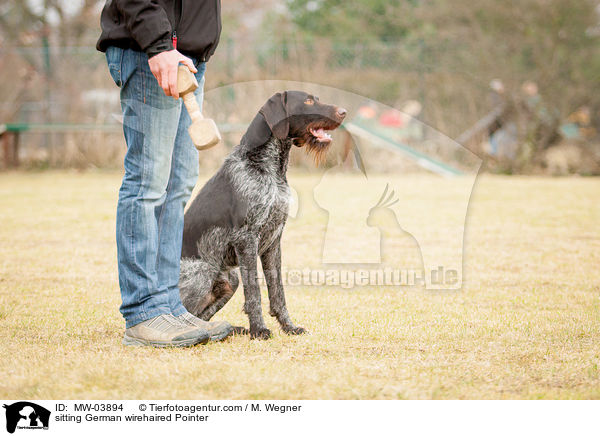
x,y
114,58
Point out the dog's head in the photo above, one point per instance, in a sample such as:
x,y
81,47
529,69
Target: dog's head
x,y
299,116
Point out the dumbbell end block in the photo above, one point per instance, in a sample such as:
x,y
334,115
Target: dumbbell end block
x,y
204,134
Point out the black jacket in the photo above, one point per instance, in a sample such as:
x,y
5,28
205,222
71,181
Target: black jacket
x,y
149,26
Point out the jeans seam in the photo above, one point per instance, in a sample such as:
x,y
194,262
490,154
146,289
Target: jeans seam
x,y
143,75
162,212
139,197
144,177
121,67
122,53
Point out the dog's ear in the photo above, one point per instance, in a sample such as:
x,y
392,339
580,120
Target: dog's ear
x,y
271,119
258,132
276,115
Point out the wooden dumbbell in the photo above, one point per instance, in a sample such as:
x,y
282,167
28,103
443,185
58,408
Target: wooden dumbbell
x,y
203,131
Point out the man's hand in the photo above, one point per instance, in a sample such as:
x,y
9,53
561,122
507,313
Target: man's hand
x,y
164,67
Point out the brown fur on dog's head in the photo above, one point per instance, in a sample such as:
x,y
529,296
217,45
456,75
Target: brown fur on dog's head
x,y
298,116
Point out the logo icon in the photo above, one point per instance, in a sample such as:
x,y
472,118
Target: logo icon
x,y
26,415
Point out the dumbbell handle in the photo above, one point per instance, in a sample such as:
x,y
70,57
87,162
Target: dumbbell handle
x,y
191,104
203,131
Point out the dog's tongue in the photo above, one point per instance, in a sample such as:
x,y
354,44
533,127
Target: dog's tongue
x,y
321,135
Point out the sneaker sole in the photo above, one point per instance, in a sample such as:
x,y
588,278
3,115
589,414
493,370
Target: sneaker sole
x,y
220,336
128,340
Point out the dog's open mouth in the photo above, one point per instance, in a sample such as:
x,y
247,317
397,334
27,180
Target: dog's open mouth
x,y
318,132
321,135
317,139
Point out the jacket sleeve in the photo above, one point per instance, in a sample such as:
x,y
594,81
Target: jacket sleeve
x,y
148,24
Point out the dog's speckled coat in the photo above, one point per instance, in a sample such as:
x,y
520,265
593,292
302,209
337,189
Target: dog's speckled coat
x,y
239,214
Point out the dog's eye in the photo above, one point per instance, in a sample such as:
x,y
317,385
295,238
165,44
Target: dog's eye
x,y
309,101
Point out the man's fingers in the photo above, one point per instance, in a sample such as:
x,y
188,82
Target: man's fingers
x,y
173,82
164,84
188,62
164,67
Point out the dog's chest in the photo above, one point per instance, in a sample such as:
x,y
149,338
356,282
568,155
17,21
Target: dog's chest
x,y
273,217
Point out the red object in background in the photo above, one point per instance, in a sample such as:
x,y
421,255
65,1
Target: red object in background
x,y
391,118
367,112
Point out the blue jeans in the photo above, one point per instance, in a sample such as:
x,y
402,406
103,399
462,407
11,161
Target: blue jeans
x,y
161,168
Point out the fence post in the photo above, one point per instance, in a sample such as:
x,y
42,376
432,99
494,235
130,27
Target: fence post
x,y
47,84
422,72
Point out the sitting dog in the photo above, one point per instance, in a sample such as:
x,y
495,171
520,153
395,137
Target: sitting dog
x,y
239,214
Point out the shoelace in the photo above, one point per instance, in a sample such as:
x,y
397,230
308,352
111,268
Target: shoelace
x,y
159,322
187,318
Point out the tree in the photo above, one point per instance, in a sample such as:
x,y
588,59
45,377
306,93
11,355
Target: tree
x,y
352,20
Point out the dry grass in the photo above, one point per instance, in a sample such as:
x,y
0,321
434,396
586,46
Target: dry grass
x,y
526,324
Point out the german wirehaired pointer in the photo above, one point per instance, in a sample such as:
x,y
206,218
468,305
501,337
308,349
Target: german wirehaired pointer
x,y
239,214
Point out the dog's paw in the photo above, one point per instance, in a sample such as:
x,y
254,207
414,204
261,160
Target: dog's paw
x,y
239,330
260,333
293,330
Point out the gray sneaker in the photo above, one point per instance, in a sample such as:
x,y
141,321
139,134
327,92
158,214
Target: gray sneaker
x,y
218,330
165,331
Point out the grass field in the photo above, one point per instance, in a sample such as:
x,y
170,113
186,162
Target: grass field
x,y
525,325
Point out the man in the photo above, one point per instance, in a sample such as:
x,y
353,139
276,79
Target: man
x,y
144,41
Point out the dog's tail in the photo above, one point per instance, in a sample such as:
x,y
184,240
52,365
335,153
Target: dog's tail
x,y
196,279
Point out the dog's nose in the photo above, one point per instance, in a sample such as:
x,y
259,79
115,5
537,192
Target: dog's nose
x,y
341,112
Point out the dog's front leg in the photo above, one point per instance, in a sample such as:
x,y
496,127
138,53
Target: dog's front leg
x,y
246,252
271,263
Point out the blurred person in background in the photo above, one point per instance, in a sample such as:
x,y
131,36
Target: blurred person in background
x,y
502,132
540,122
